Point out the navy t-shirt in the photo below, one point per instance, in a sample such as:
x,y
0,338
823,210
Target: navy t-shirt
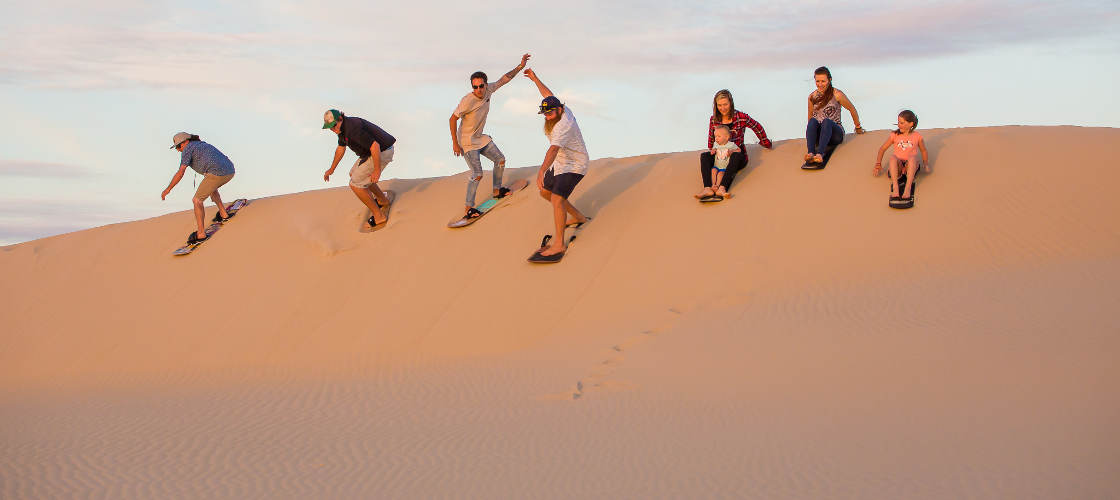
x,y
360,135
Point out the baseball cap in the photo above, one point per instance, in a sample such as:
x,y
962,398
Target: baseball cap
x,y
179,138
549,103
331,118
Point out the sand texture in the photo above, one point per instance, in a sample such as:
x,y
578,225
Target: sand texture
x,y
801,340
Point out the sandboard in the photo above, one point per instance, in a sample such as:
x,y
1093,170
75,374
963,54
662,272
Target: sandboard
x,y
211,229
537,258
819,166
715,198
365,227
905,202
488,205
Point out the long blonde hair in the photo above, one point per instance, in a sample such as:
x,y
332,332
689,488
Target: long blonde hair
x,y
548,124
715,105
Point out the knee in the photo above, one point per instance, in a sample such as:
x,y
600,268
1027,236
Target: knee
x,y
197,202
477,177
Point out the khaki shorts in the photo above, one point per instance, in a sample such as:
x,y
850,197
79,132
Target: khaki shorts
x,y
210,184
361,174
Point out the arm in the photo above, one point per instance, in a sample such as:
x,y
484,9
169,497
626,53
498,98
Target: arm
x,y
513,72
842,98
532,75
879,157
549,157
711,135
175,180
759,132
338,152
922,147
455,147
375,157
810,109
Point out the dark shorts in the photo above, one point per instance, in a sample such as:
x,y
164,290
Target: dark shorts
x,y
562,184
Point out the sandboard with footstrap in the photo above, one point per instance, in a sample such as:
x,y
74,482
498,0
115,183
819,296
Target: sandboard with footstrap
x,y
537,258
365,227
811,165
488,205
904,203
232,210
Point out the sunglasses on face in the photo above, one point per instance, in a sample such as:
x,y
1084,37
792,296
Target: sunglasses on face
x,y
478,86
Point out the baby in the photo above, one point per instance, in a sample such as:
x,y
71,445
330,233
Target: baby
x,y
721,150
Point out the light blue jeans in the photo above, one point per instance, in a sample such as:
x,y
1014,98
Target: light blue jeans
x,y
474,161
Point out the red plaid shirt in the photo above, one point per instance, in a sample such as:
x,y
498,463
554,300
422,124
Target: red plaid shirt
x,y
741,122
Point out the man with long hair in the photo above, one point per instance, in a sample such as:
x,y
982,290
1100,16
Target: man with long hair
x,y
564,165
468,140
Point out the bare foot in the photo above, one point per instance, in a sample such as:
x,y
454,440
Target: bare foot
x,y
818,159
808,156
722,192
553,250
704,192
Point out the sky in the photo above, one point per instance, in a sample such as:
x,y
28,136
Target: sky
x,y
92,92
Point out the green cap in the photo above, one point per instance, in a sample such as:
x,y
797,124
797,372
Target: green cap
x,y
331,118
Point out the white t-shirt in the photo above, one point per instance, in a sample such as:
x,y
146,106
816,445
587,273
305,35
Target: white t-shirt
x,y
572,157
473,111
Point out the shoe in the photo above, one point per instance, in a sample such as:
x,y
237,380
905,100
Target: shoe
x,y
218,217
193,238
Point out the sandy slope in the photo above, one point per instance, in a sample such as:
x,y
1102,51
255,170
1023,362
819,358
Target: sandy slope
x,y
800,340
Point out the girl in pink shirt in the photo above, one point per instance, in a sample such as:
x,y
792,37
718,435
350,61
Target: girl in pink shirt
x,y
907,142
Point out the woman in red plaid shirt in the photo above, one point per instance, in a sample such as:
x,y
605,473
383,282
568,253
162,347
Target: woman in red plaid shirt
x,y
724,113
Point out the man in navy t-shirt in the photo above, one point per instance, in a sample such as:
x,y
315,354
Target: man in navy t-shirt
x,y
374,148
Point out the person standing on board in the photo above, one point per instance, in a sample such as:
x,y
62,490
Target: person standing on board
x,y
565,164
374,147
468,141
216,170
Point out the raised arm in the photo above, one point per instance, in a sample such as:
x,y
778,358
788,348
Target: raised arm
x,y
842,98
532,75
513,72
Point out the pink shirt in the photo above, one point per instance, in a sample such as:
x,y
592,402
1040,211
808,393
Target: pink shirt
x,y
906,145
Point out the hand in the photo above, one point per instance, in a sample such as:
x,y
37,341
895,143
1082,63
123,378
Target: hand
x,y
878,168
860,130
524,59
455,148
529,73
712,151
767,144
540,182
327,175
165,193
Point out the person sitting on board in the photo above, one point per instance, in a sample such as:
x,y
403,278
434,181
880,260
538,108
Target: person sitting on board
x,y
825,130
722,150
737,122
468,140
565,163
216,170
374,147
907,142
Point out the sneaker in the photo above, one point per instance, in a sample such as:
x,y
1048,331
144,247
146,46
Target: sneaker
x,y
218,217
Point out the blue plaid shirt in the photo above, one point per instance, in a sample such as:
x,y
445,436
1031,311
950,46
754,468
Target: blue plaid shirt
x,y
206,159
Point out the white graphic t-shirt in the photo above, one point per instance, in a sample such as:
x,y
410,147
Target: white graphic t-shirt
x,y
572,157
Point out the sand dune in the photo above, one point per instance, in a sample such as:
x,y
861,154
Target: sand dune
x,y
799,340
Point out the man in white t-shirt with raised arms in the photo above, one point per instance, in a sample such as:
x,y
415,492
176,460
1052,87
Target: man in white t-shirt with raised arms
x,y
563,167
468,140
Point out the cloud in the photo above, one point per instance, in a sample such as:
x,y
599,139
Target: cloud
x,y
351,43
38,169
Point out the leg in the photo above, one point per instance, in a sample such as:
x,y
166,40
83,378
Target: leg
x,y
837,134
495,155
892,172
736,163
707,163
366,196
474,163
911,172
827,128
812,138
560,208
217,199
199,217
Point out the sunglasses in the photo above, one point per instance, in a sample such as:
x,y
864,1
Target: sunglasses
x,y
478,86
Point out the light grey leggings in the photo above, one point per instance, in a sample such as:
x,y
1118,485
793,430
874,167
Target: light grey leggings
x,y
474,161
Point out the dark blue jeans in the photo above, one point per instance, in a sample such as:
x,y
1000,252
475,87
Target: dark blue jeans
x,y
820,135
